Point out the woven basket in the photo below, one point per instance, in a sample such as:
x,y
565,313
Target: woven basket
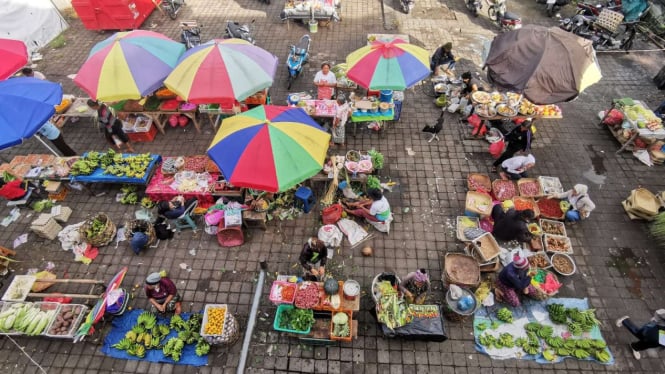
x,y
540,294
230,236
453,262
143,226
104,237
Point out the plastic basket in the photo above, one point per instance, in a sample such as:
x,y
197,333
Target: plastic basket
x,y
390,277
547,226
522,182
609,20
460,227
278,317
541,255
550,185
332,325
23,283
478,203
545,214
504,189
205,318
76,322
229,237
548,248
486,246
276,292
475,180
644,202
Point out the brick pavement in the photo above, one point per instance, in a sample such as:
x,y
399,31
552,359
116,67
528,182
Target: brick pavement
x,y
620,271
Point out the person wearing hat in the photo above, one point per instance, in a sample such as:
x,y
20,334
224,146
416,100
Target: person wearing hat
x,y
342,113
415,286
512,224
519,140
580,203
313,258
651,335
514,280
162,294
139,241
516,167
443,60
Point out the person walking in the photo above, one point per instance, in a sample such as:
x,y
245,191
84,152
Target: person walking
x,y
338,130
651,335
53,134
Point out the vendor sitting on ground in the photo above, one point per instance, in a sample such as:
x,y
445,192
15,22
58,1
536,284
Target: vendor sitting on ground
x,y
514,280
162,294
516,167
580,203
313,258
415,286
375,209
512,225
172,209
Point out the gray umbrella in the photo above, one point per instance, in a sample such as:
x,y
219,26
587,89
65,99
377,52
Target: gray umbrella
x,y
547,66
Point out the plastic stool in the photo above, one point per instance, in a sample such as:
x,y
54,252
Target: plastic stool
x,y
304,196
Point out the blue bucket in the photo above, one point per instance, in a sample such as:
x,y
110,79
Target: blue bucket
x,y
386,96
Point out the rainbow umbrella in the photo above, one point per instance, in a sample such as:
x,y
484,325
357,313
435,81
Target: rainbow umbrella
x,y
269,148
99,309
128,65
391,65
13,56
222,70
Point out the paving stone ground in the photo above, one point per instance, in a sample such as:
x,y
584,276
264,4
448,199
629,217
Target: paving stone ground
x,y
620,270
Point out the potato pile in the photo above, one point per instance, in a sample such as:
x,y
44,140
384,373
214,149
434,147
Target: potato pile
x,y
63,323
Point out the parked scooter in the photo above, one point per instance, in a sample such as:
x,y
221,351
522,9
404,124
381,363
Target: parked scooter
x,y
474,6
580,23
172,7
407,5
190,34
504,19
298,56
236,30
553,6
589,9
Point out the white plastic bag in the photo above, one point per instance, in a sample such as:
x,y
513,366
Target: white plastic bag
x,y
643,155
330,236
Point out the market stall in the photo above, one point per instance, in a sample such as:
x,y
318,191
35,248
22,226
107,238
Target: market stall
x,y
217,112
495,105
74,109
159,109
115,168
316,312
635,127
314,10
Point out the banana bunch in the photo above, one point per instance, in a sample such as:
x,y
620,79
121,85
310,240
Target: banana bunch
x,y
532,326
598,344
583,343
589,320
521,342
545,332
124,344
131,335
580,353
557,313
177,323
487,340
136,350
173,348
602,355
575,328
570,344
481,326
138,329
147,320
202,348
505,315
575,315
554,341
484,290
563,351
549,355
506,340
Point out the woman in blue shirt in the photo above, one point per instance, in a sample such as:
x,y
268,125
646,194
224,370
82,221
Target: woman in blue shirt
x,y
52,133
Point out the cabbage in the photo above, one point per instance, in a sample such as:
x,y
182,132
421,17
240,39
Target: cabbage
x,y
340,318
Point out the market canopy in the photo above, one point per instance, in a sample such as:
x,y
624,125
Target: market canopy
x,y
388,65
25,105
269,148
13,56
548,66
222,70
128,65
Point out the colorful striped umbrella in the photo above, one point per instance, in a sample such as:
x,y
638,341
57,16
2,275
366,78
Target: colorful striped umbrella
x,y
13,56
128,65
99,309
392,65
269,148
222,70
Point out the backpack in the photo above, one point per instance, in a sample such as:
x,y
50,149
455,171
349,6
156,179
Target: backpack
x,y
163,229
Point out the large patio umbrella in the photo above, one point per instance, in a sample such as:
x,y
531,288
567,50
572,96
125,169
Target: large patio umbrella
x,y
25,105
222,70
392,65
128,65
548,66
13,56
99,309
269,148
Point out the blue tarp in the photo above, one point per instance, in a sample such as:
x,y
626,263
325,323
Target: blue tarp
x,y
532,311
632,9
124,323
98,175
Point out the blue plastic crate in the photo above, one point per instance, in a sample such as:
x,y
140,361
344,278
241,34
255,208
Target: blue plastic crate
x,y
278,317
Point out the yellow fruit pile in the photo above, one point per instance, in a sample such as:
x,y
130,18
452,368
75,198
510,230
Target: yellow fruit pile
x,y
215,323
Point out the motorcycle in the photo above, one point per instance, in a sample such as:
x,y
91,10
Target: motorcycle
x,y
236,30
578,24
504,19
298,56
407,5
172,7
474,6
589,9
190,34
553,6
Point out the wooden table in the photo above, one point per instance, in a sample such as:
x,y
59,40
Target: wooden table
x,y
76,111
636,132
159,118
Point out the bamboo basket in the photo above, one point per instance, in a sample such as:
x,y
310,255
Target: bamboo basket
x,y
104,237
469,278
143,226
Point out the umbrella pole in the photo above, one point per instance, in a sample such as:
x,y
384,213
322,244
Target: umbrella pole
x,y
46,145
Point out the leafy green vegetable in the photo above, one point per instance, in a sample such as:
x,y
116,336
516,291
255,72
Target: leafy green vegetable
x,y
377,158
297,319
373,182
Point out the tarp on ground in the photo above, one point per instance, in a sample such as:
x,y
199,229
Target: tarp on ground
x,y
530,311
125,322
98,175
35,22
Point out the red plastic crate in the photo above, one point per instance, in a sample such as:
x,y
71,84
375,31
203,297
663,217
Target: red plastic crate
x,y
147,136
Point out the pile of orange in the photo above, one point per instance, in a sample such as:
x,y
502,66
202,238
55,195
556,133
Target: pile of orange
x,y
215,322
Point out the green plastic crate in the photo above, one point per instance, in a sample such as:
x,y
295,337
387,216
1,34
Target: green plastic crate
x,y
278,316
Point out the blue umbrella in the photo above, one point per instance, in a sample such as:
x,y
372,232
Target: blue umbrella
x,y
25,105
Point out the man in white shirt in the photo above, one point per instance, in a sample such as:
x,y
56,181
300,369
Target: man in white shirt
x,y
515,167
28,72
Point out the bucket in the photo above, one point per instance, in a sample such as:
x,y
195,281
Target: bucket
x,y
351,289
386,96
313,26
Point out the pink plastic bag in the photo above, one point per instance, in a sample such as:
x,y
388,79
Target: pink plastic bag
x,y
213,218
496,148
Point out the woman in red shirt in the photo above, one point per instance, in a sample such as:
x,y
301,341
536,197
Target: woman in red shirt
x,y
162,294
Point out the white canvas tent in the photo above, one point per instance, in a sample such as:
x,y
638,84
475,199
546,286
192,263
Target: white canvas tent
x,y
35,22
